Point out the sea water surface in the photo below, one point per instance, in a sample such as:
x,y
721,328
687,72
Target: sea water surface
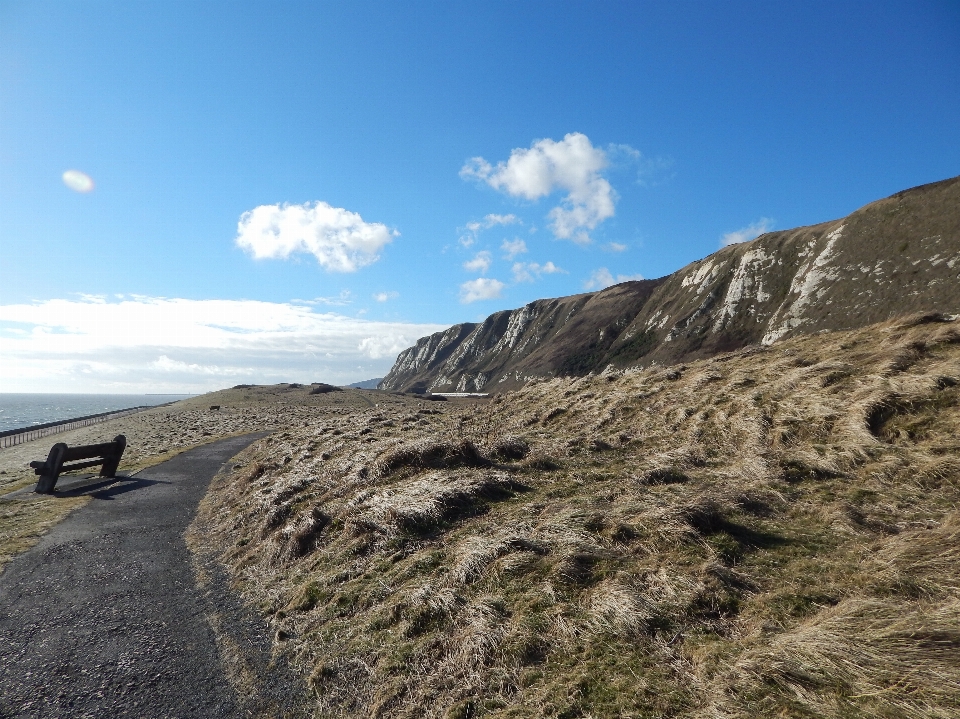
x,y
25,410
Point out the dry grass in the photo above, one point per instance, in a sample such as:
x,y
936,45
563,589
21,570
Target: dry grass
x,y
767,533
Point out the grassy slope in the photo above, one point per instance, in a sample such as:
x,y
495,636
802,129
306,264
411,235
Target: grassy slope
x,y
767,533
152,436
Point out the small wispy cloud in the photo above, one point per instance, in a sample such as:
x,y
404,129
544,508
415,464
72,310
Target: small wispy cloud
x,y
512,248
615,247
491,221
385,296
78,181
603,278
480,263
340,240
572,164
472,229
621,152
745,234
482,288
339,301
654,171
531,271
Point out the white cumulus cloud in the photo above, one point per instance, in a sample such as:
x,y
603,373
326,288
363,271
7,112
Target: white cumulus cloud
x,y
745,234
339,239
512,248
530,271
482,288
481,263
603,278
573,165
385,296
615,247
156,344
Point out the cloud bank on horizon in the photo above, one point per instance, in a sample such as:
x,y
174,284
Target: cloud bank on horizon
x,y
156,344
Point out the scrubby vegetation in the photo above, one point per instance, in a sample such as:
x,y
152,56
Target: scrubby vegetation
x,y
766,533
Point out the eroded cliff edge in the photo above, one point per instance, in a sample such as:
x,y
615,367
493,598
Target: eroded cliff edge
x,y
894,256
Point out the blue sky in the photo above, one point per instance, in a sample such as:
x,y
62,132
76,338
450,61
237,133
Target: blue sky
x,y
295,191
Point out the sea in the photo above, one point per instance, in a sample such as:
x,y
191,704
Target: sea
x,y
25,410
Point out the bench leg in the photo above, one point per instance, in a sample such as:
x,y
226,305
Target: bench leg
x,y
51,472
46,483
110,464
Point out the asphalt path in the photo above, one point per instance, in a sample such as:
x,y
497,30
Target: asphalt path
x,y
103,617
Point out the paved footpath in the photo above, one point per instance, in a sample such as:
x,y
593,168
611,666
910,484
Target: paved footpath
x,y
103,619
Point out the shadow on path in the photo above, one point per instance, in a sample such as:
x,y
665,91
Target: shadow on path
x,y
109,488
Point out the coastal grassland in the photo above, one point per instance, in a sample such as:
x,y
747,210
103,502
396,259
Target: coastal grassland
x,y
154,436
771,532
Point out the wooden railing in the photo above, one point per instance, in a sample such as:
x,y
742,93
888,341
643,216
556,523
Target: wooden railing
x,y
11,437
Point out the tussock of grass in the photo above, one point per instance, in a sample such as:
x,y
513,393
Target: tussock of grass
x,y
430,455
421,504
767,533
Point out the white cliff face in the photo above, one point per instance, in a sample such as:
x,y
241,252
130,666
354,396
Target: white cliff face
x,y
519,321
746,286
658,321
468,350
702,277
426,350
487,343
681,326
469,383
423,355
807,286
469,357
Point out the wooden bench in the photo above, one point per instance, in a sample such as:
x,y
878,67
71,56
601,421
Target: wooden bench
x,y
107,455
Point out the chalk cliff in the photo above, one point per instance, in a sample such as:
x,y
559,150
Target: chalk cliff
x,y
894,256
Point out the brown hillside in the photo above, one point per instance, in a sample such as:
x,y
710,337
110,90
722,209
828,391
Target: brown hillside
x,y
769,532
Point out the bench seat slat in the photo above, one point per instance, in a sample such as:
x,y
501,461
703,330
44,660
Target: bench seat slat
x,y
80,465
91,450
